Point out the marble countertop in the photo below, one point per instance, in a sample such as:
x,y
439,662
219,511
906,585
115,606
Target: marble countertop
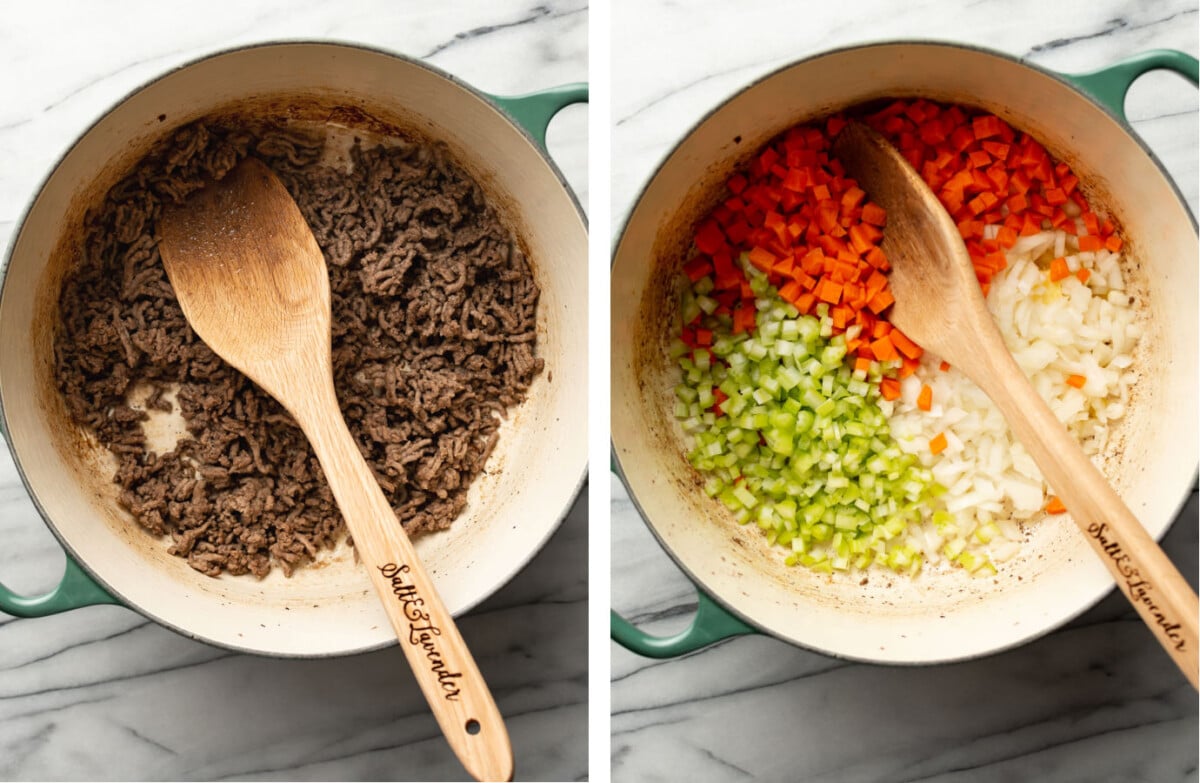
x,y
1094,701
102,693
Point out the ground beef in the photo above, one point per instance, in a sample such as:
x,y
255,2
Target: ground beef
x,y
434,311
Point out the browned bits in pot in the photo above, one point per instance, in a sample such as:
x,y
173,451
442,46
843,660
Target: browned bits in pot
x,y
434,328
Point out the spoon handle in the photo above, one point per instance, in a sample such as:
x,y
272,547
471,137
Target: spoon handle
x,y
1150,581
440,660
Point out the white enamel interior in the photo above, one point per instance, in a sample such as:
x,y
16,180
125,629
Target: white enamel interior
x,y
531,479
941,615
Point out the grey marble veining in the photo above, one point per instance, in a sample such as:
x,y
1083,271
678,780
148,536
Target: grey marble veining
x,y
101,693
1096,700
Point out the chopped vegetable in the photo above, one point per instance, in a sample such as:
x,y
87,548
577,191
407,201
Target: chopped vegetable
x,y
925,398
1055,506
794,379
792,439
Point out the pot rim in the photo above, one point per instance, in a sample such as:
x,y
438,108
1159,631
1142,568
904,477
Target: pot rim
x,y
330,43
698,582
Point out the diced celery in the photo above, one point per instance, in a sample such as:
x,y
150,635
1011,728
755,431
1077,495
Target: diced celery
x,y
802,435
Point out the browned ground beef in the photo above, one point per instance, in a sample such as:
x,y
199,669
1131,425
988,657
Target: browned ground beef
x,y
433,339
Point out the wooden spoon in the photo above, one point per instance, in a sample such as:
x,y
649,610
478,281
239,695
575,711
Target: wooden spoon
x,y
940,305
253,284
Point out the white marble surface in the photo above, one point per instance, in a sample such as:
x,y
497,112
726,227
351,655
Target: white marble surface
x,y
101,693
1095,701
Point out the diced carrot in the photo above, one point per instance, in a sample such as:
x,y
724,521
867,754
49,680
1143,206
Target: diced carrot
x,y
874,214
889,388
970,228
840,316
784,267
852,295
880,302
938,443
813,262
878,259
738,231
979,158
1113,243
997,149
852,197
1090,244
699,267
905,345
925,398
710,238
829,291
743,319
884,350
704,337
961,138
876,282
859,241
999,177
986,126
791,291
1059,269
944,366
862,364
1076,380
872,233
994,262
1055,506
763,259
795,180
1056,196
719,397
1083,275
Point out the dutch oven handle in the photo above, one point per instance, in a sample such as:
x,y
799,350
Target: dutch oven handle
x,y
75,590
711,624
534,111
1110,85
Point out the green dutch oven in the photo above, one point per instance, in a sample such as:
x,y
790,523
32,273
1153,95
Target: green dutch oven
x,y
744,587
539,464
